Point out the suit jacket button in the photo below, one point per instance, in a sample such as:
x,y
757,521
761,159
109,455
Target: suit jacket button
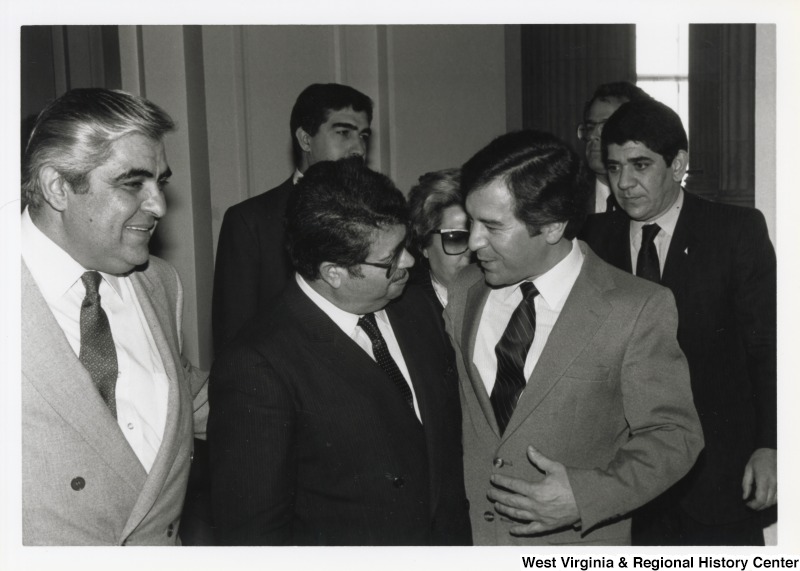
x,y
78,484
399,482
169,533
498,462
488,516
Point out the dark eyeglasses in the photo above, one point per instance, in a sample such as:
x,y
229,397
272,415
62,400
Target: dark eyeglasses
x,y
454,241
391,266
588,128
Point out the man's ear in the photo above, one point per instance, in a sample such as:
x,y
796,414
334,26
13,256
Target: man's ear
x,y
680,164
303,139
553,232
55,189
332,274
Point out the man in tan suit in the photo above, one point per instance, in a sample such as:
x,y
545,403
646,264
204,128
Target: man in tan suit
x,y
107,399
575,395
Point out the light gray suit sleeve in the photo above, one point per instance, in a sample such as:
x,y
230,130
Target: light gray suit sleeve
x,y
665,433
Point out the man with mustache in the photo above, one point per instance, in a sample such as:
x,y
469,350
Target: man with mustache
x,y
334,415
606,99
329,121
107,398
718,261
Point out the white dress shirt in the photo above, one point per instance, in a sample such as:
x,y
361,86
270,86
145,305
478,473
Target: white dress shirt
x,y
142,386
601,193
663,239
348,323
553,286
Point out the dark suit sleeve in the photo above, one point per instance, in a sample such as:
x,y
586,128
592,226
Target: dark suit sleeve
x,y
251,445
236,275
755,306
451,521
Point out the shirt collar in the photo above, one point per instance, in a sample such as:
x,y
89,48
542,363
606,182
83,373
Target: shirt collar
x,y
296,176
666,221
602,188
346,321
54,270
555,284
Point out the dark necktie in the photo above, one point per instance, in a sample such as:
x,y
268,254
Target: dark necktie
x,y
384,359
98,354
611,203
511,351
647,263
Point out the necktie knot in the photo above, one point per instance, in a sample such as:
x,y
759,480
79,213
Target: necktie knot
x,y
370,326
91,281
649,233
529,291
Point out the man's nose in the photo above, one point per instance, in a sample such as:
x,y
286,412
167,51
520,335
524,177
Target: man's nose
x,y
155,204
359,148
406,260
477,240
625,179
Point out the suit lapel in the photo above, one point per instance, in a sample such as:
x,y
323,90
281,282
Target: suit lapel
x,y
60,378
155,310
583,313
476,300
682,244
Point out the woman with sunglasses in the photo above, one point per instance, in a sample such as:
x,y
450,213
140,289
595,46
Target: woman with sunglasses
x,y
440,232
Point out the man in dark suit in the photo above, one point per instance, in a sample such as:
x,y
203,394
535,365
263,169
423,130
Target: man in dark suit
x,y
335,416
328,122
606,99
720,265
575,395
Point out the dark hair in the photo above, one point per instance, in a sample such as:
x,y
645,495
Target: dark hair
x,y
542,173
74,135
316,102
333,213
434,192
649,122
622,90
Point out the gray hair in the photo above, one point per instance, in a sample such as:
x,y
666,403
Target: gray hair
x,y
74,135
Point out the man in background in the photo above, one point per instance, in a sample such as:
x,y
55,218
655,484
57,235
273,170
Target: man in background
x,y
328,122
107,398
575,395
606,99
334,417
720,265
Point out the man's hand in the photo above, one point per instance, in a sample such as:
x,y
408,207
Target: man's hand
x,y
760,481
546,505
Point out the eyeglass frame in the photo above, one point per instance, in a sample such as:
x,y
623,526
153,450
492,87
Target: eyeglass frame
x,y
441,231
589,127
394,263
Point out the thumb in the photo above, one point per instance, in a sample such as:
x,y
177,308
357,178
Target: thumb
x,y
540,460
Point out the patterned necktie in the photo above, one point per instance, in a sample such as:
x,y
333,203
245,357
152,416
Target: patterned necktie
x,y
511,351
98,354
384,359
647,266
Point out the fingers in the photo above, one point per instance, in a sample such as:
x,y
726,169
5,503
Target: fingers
x,y
747,482
765,497
540,460
515,485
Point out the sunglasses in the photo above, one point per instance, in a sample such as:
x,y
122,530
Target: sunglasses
x,y
454,241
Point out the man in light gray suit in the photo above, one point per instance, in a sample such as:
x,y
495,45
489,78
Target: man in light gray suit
x,y
575,395
109,405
